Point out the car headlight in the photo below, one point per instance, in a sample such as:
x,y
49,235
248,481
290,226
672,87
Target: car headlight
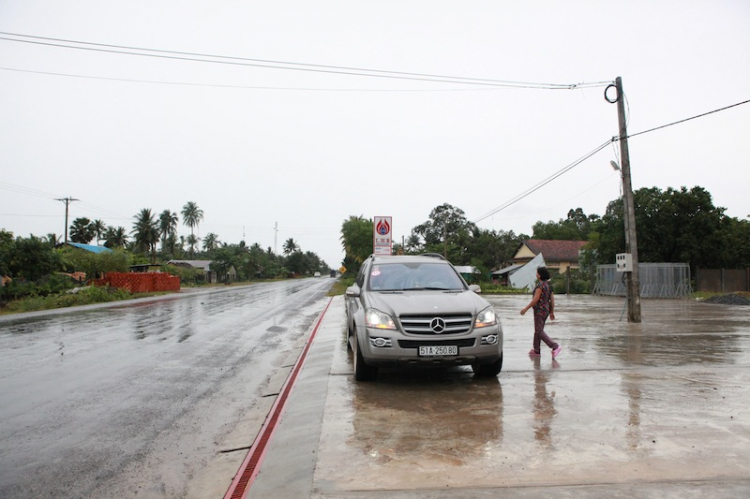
x,y
378,320
486,318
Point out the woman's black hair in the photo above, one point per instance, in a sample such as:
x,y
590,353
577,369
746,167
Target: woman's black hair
x,y
543,273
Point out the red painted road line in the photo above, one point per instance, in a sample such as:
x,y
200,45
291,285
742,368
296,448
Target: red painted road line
x,y
251,465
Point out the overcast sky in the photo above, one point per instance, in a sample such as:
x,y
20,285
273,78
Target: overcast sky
x,y
307,144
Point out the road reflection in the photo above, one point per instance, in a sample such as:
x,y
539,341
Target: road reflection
x,y
441,416
544,404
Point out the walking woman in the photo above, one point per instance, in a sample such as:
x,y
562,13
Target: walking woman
x,y
543,303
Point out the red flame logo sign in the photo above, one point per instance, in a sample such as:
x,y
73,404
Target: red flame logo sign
x,y
383,227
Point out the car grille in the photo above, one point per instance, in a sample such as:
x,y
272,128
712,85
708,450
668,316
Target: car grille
x,y
467,342
422,324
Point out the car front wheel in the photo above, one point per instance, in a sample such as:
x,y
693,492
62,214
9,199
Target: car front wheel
x,y
362,372
487,370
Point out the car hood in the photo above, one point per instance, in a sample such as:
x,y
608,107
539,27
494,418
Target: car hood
x,y
427,302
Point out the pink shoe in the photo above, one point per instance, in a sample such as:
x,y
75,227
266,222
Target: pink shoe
x,y
556,351
534,353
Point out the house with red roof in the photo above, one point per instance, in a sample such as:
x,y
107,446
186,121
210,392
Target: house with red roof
x,y
558,255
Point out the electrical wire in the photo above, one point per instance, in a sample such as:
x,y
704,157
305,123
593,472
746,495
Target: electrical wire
x,y
543,182
251,87
687,119
295,66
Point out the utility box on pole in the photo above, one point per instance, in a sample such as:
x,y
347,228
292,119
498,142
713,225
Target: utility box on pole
x,y
624,262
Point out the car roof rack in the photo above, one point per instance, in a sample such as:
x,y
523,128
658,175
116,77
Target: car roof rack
x,y
434,255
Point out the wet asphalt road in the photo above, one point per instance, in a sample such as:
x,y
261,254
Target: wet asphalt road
x,y
657,409
146,399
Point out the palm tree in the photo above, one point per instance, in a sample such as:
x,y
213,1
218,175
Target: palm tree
x,y
115,237
146,231
192,241
290,246
168,227
191,215
99,228
81,231
210,242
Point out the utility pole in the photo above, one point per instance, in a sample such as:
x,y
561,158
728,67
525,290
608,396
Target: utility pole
x,y
275,235
631,243
67,202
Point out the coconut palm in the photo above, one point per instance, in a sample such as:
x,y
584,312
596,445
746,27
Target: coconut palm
x,y
290,246
168,227
146,231
81,231
192,241
115,237
191,215
99,228
211,242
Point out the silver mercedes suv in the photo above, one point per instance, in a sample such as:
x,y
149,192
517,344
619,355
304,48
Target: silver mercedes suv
x,y
418,310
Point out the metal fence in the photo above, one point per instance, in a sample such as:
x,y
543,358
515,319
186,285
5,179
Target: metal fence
x,y
657,280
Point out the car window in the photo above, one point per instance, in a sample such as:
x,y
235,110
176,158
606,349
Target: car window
x,y
403,276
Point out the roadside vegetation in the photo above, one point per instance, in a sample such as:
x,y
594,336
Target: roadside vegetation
x,y
40,273
675,225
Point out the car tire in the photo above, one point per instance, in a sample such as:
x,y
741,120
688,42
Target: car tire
x,y
488,370
362,372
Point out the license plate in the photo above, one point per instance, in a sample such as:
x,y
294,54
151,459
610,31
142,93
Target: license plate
x,y
432,351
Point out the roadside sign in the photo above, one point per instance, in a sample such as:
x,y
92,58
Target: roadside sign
x,y
382,240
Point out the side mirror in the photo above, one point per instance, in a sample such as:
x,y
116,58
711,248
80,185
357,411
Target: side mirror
x,y
475,288
352,291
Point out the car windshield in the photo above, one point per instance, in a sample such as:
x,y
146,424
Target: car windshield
x,y
414,276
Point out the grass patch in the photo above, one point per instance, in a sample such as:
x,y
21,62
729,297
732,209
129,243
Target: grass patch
x,y
339,287
83,296
496,289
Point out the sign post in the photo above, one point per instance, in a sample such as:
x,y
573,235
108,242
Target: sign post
x,y
382,239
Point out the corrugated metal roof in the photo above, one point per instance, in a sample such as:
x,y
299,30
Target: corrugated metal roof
x,y
90,247
509,269
196,264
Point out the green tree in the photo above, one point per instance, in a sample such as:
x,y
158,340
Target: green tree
x,y
192,242
290,246
192,217
95,264
146,233
82,231
357,240
223,260
672,226
99,228
28,258
447,232
576,227
211,242
115,237
7,245
168,228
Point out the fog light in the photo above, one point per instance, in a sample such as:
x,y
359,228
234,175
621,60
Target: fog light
x,y
381,342
490,339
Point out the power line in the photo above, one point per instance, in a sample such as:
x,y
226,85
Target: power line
x,y
253,87
686,119
543,182
295,66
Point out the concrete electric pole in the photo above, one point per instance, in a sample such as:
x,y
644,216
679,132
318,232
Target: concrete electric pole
x,y
631,242
67,202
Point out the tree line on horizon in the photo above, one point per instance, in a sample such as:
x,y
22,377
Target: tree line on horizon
x,y
674,225
34,258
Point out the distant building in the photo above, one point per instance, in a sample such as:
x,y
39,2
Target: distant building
x,y
209,275
558,255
